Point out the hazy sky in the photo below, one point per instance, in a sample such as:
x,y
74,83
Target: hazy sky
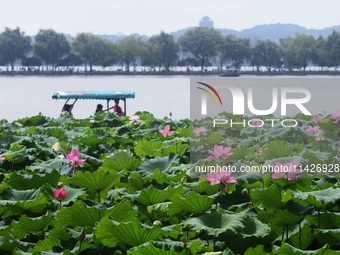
x,y
152,16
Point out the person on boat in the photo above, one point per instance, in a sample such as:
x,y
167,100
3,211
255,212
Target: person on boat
x,y
67,110
117,109
99,108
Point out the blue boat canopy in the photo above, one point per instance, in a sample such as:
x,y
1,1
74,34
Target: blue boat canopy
x,y
94,94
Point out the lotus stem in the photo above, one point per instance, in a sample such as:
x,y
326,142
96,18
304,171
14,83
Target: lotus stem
x,y
80,243
300,236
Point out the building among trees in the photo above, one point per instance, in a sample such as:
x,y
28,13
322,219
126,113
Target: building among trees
x,y
206,22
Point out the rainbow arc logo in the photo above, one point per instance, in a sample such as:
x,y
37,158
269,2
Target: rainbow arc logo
x,y
211,92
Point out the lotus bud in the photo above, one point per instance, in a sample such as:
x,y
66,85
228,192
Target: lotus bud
x,y
244,192
157,223
82,235
60,194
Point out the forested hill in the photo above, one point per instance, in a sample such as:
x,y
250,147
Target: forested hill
x,y
260,32
276,31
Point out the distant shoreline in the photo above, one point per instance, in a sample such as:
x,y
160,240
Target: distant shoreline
x,y
164,73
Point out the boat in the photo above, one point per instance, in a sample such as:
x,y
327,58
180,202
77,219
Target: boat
x,y
230,72
72,97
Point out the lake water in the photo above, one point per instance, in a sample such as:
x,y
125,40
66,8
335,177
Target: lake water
x,y
22,96
31,95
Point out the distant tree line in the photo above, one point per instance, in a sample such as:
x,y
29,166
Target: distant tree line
x,y
200,46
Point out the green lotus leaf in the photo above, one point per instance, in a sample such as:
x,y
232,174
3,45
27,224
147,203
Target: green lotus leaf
x,y
55,132
59,232
215,223
287,249
32,130
214,138
327,236
318,198
49,165
37,120
18,251
152,195
172,231
161,207
5,230
258,250
15,151
254,227
326,220
193,203
120,160
65,252
270,198
122,212
121,140
86,245
274,132
16,201
176,148
278,149
93,181
89,140
241,153
185,132
148,148
146,116
135,182
169,248
132,233
46,246
164,164
286,217
304,238
25,181
27,225
318,157
298,209
203,186
80,215
197,247
158,176
8,244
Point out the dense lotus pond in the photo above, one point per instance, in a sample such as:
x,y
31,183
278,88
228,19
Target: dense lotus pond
x,y
110,185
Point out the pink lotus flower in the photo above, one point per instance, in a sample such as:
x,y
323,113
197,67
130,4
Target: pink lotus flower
x,y
60,194
219,152
2,158
289,170
260,151
319,138
74,157
166,131
200,131
335,116
317,118
256,123
134,118
220,176
311,130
